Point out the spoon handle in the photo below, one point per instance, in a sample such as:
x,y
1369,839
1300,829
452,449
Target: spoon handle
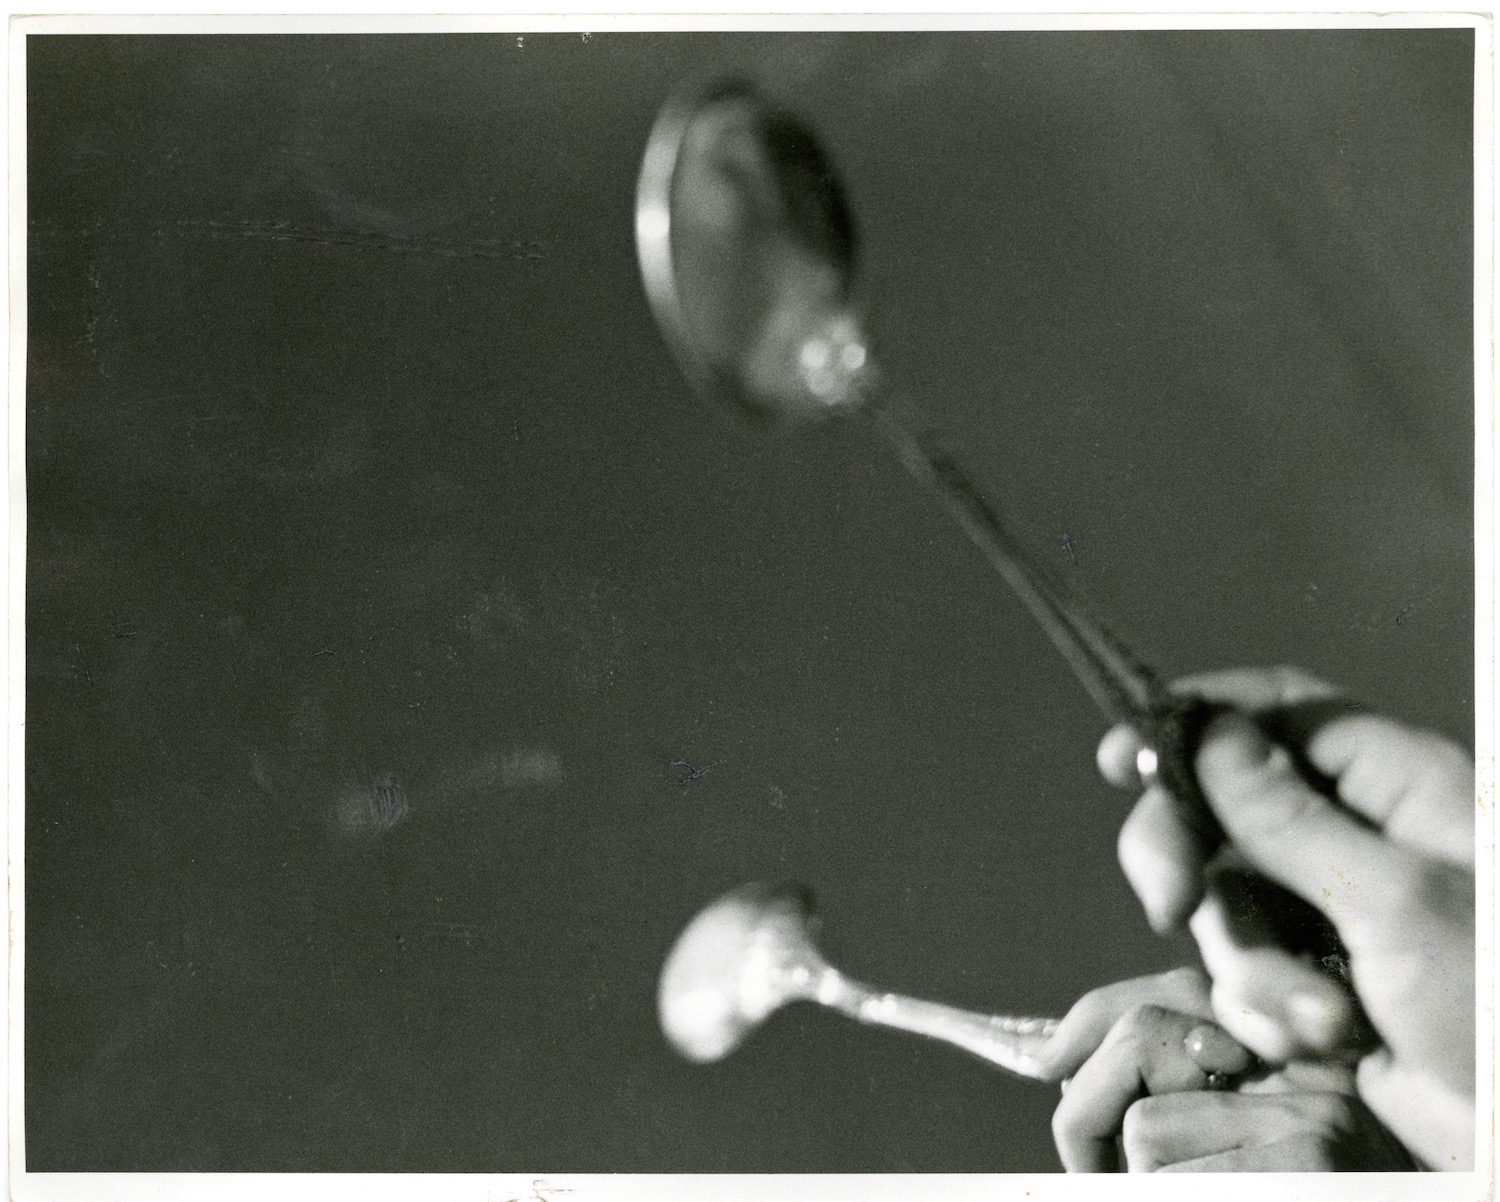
x,y
1123,687
1009,1041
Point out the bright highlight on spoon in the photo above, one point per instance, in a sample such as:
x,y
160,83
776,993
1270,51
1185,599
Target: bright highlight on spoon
x,y
832,359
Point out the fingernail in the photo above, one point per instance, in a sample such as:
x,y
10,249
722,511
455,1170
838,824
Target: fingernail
x,y
1213,1050
1238,740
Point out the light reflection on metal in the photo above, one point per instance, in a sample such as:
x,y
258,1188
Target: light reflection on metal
x,y
747,253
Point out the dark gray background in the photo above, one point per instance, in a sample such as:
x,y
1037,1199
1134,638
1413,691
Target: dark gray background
x,y
361,488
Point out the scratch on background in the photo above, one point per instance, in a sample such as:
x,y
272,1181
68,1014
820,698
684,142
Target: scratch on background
x,y
287,231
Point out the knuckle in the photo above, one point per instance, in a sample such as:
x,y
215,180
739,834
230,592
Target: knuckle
x,y
1109,1002
1268,799
1142,1023
1137,1119
1430,887
1188,980
1090,1008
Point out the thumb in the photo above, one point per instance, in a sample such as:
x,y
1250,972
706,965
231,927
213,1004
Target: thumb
x,y
1290,831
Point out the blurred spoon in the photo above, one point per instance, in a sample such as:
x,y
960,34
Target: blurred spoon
x,y
751,952
747,252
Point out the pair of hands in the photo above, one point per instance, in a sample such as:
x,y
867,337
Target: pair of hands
x,y
1158,1035
1385,851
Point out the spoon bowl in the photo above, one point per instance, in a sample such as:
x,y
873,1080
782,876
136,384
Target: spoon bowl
x,y
747,249
743,957
752,952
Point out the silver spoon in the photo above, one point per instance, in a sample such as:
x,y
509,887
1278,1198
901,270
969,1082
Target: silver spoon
x,y
751,952
747,252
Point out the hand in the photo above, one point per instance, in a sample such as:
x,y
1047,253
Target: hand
x,y
1294,1121
1153,1035
1389,862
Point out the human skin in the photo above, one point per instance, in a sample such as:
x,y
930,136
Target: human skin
x,y
1386,854
1156,1035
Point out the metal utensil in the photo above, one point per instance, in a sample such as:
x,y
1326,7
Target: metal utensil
x,y
747,250
751,952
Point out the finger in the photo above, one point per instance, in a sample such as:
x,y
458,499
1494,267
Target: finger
x,y
1116,757
1255,689
1172,1128
1145,1051
1289,1132
1162,860
1276,1004
1267,1037
1302,1076
1417,785
1213,1050
1251,689
1293,834
1084,1027
1295,1154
